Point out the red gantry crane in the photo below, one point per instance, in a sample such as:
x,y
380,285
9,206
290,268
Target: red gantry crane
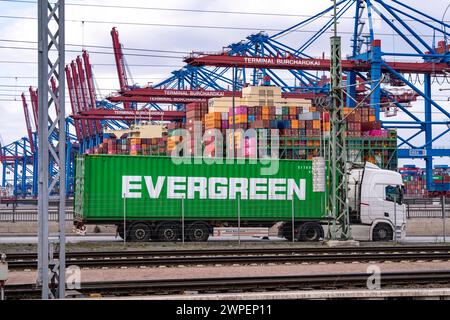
x,y
120,64
28,122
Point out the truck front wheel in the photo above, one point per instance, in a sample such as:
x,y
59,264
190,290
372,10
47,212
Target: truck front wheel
x,y
310,231
382,232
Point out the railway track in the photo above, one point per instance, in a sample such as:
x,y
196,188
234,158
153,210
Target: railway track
x,y
244,284
240,256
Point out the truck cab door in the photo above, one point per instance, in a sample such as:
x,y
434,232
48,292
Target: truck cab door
x,y
394,204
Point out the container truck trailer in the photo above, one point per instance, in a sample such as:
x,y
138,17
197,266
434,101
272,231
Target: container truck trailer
x,y
150,197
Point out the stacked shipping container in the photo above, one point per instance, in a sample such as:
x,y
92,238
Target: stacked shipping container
x,y
415,179
302,131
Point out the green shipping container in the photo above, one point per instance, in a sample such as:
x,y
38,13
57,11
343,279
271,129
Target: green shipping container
x,y
116,187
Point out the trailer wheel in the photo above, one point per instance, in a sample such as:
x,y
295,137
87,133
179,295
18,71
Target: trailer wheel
x,y
198,232
120,232
310,231
140,232
168,232
382,232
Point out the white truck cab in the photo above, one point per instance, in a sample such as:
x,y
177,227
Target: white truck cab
x,y
376,203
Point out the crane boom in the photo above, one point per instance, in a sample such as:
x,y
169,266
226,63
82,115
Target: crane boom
x,y
78,98
28,122
73,102
91,88
293,63
34,106
120,64
85,99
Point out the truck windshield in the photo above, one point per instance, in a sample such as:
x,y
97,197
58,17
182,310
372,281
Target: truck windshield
x,y
394,193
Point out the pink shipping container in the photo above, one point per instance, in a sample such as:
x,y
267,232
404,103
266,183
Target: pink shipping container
x,y
237,110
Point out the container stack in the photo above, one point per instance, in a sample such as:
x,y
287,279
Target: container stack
x,y
303,133
195,112
131,146
415,180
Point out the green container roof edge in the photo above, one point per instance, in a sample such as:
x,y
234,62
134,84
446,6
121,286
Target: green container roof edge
x,y
211,192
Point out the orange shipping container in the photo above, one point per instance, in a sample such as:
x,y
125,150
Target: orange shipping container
x,y
213,116
316,124
240,118
294,124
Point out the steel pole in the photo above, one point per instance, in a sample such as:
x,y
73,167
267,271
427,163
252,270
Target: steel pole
x,y
62,155
395,220
182,220
443,218
293,228
124,220
239,220
43,149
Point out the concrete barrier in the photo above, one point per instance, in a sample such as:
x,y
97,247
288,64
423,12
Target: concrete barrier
x,y
415,227
31,228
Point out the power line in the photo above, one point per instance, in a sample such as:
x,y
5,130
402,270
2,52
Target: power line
x,y
202,11
98,52
201,26
99,64
98,46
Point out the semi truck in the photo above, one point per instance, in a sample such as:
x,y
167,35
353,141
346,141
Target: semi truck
x,y
165,199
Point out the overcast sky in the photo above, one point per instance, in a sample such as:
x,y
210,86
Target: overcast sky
x,y
138,29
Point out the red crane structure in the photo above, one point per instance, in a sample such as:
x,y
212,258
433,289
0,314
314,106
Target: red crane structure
x,y
120,64
78,98
91,89
34,105
74,103
294,63
28,122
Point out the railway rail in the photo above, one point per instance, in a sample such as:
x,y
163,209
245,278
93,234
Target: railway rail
x,y
440,278
241,256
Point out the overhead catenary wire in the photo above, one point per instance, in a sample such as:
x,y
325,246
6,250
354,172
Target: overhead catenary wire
x,y
193,26
275,14
98,52
98,46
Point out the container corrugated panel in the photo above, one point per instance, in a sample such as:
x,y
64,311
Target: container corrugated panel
x,y
102,190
